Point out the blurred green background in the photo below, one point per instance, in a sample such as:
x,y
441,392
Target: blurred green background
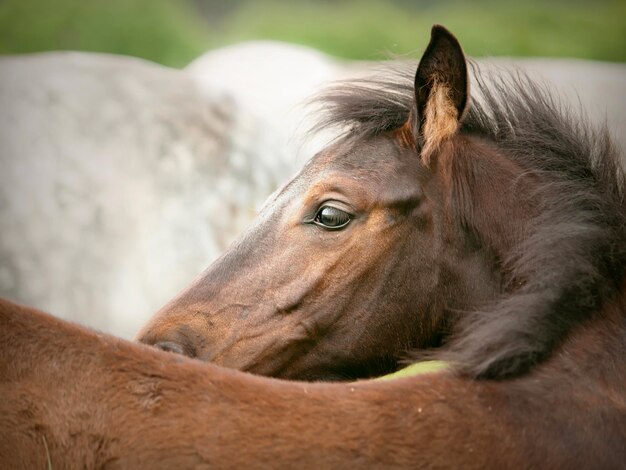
x,y
173,32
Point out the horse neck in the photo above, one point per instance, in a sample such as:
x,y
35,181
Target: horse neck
x,y
481,220
490,195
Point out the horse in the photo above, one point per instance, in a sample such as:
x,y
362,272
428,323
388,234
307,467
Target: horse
x,y
529,245
479,231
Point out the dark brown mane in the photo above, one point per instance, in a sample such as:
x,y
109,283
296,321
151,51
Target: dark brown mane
x,y
574,255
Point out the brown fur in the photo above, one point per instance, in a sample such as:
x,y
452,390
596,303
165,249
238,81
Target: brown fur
x,y
100,401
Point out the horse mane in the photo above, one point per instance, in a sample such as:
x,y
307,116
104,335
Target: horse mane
x,y
572,259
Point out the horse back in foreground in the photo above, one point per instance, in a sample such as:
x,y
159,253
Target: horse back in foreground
x,y
87,400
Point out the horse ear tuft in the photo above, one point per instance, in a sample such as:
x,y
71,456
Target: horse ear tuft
x,y
441,90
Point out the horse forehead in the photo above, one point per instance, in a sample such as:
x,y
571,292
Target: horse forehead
x,y
380,154
346,163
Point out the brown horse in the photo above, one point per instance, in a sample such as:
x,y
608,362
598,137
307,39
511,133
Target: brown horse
x,y
547,274
493,228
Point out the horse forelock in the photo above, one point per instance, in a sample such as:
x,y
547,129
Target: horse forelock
x,y
567,258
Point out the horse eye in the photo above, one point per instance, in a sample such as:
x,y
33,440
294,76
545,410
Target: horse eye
x,y
332,218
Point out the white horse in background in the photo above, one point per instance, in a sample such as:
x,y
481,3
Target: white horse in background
x,y
120,180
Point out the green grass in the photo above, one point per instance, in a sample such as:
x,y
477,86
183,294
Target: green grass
x,y
173,32
418,368
370,29
163,31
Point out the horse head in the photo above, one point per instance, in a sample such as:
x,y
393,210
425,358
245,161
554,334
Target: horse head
x,y
428,222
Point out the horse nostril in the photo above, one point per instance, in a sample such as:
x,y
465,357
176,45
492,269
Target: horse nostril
x,y
170,346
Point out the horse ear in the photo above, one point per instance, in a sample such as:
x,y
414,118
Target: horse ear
x,y
441,90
